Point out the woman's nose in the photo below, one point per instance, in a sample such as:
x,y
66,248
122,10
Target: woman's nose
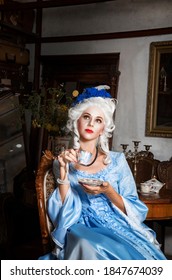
x,y
91,122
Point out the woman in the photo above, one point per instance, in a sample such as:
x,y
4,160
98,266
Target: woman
x,y
102,221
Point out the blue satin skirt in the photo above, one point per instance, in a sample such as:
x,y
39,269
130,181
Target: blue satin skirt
x,y
84,243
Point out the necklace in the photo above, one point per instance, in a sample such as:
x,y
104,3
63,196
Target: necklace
x,y
93,159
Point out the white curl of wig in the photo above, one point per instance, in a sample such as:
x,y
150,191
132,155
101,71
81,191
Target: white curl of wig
x,y
108,106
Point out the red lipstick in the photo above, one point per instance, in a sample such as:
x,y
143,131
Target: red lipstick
x,y
88,130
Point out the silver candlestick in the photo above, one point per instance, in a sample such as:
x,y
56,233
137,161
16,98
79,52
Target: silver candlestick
x,y
135,155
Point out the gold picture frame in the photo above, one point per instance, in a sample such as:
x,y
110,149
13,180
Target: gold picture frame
x,y
159,98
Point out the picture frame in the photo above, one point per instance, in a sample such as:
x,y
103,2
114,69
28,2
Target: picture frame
x,y
159,97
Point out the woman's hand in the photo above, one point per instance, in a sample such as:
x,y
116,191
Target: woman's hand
x,y
67,156
109,191
104,188
64,158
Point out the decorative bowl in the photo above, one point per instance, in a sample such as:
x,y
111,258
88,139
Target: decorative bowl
x,y
154,185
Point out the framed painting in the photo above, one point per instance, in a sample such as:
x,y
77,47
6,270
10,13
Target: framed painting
x,y
159,98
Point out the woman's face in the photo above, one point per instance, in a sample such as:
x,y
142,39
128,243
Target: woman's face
x,y
91,123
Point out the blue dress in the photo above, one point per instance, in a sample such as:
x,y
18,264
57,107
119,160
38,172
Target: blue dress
x,y
89,226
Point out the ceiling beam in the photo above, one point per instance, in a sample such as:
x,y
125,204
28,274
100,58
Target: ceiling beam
x,y
107,36
15,5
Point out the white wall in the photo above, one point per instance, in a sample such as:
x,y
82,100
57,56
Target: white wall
x,y
113,16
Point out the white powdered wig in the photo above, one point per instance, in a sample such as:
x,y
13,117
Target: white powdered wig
x,y
108,106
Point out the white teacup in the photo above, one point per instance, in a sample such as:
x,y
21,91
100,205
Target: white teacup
x,y
84,157
145,188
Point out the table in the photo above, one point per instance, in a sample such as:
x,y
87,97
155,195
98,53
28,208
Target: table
x,y
159,211
159,205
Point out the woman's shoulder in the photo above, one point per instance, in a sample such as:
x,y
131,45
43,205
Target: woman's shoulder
x,y
117,155
117,158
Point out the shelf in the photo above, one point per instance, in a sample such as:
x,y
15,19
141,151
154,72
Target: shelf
x,y
28,36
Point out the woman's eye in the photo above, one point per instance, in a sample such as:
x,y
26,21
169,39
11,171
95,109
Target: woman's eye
x,y
99,121
86,117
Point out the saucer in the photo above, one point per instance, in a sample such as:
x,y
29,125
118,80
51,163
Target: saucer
x,y
90,182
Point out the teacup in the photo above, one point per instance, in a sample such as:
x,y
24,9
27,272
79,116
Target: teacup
x,y
145,188
84,157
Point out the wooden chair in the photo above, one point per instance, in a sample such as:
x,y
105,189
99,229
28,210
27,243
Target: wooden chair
x,y
165,173
45,185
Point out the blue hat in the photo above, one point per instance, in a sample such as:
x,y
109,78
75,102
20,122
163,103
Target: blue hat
x,y
99,91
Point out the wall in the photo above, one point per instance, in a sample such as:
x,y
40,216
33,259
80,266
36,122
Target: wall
x,y
113,16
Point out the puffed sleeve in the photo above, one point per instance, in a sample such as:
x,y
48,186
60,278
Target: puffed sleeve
x,y
135,208
65,214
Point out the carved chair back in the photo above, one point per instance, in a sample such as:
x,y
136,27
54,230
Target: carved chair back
x,y
165,173
45,185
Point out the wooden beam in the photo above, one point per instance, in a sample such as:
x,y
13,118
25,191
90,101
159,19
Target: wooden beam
x,y
108,36
14,5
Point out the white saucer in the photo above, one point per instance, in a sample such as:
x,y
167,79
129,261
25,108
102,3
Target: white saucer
x,y
90,182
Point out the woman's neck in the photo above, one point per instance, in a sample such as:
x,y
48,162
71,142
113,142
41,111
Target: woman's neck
x,y
88,146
